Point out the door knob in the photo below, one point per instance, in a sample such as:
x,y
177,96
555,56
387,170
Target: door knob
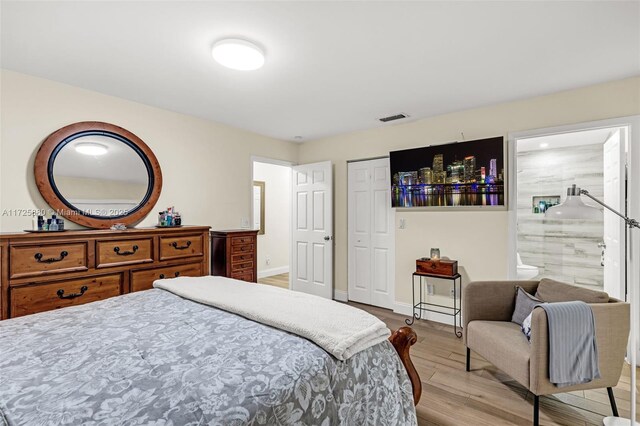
x,y
328,238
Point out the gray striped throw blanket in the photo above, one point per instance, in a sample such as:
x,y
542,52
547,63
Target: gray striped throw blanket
x,y
573,355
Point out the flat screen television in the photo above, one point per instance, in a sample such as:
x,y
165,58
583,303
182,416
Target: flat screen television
x,y
458,174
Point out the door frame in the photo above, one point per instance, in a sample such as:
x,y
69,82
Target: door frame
x,y
392,293
257,159
633,205
633,175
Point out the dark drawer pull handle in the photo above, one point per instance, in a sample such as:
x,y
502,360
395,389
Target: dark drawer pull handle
x,y
61,295
175,245
39,258
162,276
177,274
125,253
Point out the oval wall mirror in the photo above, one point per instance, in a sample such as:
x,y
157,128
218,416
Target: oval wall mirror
x,y
97,174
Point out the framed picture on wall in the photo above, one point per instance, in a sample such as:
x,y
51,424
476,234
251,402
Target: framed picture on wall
x,y
468,174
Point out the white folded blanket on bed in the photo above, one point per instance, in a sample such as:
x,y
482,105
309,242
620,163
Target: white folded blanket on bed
x,y
339,329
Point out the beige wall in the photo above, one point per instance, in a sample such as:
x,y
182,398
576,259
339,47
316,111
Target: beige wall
x,y
206,166
478,239
274,244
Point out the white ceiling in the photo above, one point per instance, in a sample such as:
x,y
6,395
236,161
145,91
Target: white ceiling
x,y
331,67
564,140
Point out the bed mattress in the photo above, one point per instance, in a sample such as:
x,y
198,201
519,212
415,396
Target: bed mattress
x,y
154,358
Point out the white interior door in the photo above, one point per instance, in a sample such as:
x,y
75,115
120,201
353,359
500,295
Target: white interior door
x,y
359,231
371,233
312,229
614,227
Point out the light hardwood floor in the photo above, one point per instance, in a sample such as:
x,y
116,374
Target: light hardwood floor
x,y
485,396
281,280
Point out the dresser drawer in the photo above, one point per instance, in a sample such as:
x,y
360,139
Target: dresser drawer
x,y
43,259
246,275
242,248
236,267
181,246
246,239
123,252
242,257
31,299
143,280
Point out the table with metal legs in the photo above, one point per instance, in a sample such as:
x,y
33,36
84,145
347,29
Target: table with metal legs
x,y
422,305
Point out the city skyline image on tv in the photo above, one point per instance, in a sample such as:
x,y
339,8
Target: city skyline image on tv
x,y
469,173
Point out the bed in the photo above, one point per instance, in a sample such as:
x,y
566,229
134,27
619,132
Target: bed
x,y
157,358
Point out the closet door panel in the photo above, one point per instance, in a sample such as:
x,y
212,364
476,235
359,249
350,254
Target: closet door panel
x,y
371,242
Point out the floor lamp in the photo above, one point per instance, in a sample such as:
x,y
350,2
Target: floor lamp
x,y
574,208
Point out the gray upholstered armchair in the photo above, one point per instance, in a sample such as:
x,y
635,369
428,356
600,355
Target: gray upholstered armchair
x,y
487,307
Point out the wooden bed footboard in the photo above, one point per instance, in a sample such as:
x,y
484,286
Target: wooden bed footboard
x,y
402,339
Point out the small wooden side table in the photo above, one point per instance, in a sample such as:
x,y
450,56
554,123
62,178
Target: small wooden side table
x,y
440,307
234,254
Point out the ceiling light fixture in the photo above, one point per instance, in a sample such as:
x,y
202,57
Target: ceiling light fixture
x,y
544,145
91,148
238,54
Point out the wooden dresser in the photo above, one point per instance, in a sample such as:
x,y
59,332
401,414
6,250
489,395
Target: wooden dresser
x,y
234,254
45,271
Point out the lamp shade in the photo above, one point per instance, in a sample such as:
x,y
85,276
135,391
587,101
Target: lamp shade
x,y
573,208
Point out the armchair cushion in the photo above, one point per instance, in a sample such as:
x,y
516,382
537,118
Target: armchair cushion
x,y
525,303
556,291
502,344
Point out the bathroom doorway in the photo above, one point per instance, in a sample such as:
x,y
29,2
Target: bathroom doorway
x,y
271,208
588,252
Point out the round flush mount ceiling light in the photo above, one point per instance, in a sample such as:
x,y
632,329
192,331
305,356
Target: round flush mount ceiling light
x,y
91,148
238,54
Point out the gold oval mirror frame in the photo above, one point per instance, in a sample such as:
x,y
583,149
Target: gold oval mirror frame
x,y
75,142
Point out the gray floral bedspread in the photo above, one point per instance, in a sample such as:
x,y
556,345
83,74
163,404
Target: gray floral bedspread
x,y
153,358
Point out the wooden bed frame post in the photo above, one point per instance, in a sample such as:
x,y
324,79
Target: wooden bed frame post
x,y
402,339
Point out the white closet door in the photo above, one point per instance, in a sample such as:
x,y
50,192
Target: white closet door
x,y
312,229
359,226
382,235
371,234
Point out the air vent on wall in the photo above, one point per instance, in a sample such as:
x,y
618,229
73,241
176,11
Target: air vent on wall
x,y
393,117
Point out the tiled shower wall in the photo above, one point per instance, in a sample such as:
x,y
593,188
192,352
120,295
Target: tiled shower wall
x,y
564,250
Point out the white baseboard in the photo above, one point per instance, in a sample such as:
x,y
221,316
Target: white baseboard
x,y
273,271
406,309
340,296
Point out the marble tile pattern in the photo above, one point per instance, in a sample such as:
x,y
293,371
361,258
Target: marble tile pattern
x,y
564,250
